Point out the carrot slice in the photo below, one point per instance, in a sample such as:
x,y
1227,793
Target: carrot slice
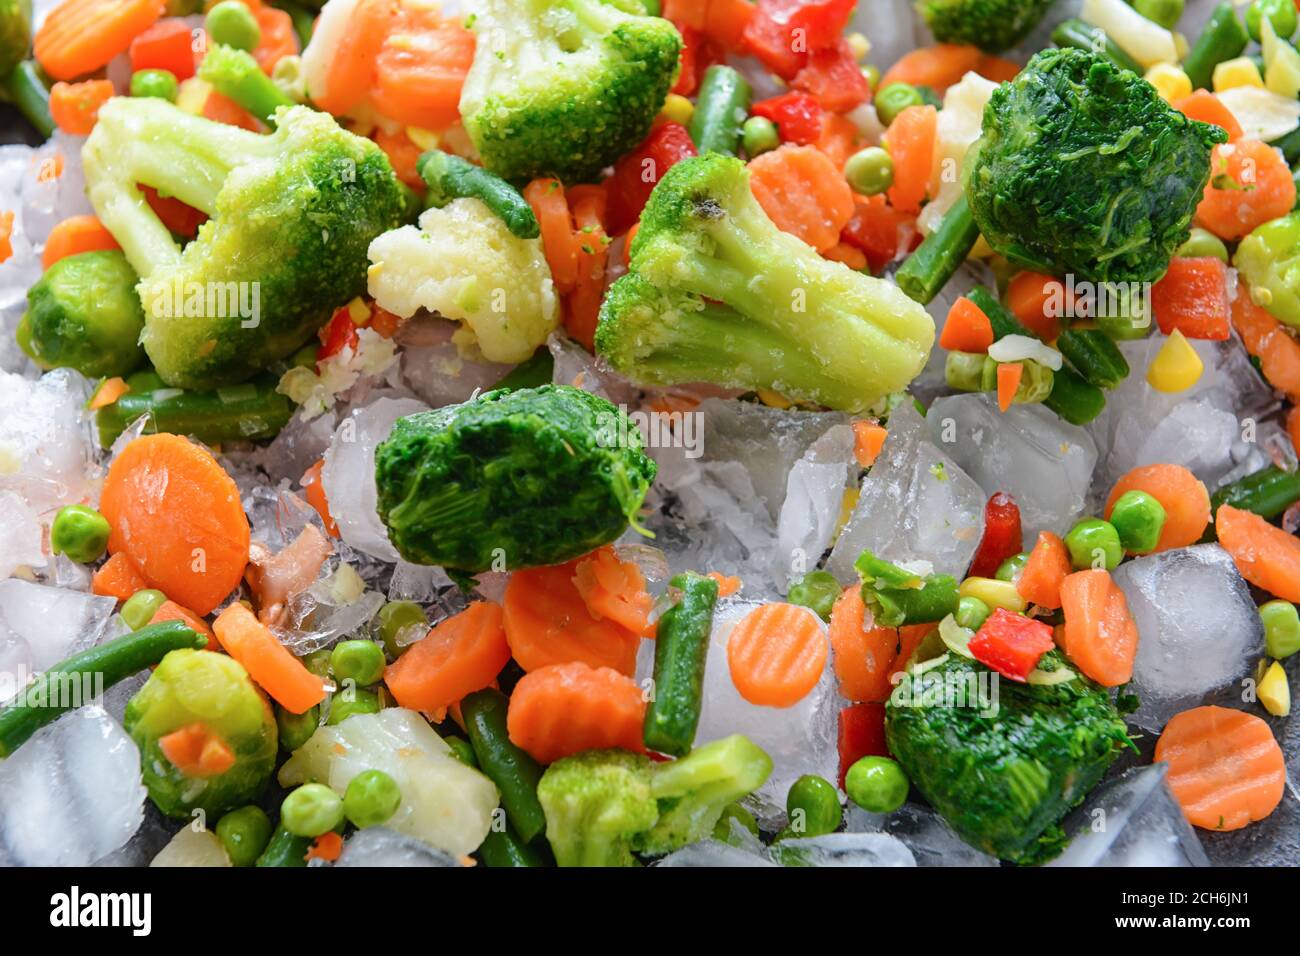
x,y
728,584
1226,770
868,439
863,656
1193,298
171,611
1250,184
582,305
268,662
1205,106
177,514
851,256
547,198
402,154
118,577
328,846
1100,635
279,39
196,751
614,590
547,622
1038,301
997,69
1009,376
222,109
421,68
912,139
313,490
1267,339
1266,556
803,193
967,328
938,66
563,709
74,107
776,653
1183,496
1047,568
839,139
109,391
75,235
458,656
6,235
79,36
352,66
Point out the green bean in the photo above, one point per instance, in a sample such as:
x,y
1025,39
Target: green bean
x,y
254,411
503,848
1267,492
937,258
1223,38
1003,320
895,607
1073,399
1083,36
720,111
681,646
27,90
285,849
463,750
451,177
139,609
1095,356
513,771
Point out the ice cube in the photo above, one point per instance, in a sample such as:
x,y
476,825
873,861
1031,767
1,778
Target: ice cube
x,y
813,499
71,794
916,503
380,846
53,621
147,842
349,474
45,449
713,853
1198,629
298,446
15,662
575,366
1041,461
1132,820
926,834
54,188
417,582
844,849
440,375
20,540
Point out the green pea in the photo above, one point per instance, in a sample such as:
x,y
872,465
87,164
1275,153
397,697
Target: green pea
x,y
1202,244
972,613
359,661
231,23
296,729
1281,628
353,702
244,833
1281,13
876,784
395,618
139,609
311,810
318,662
1009,570
813,806
734,811
1167,13
463,750
371,798
895,98
79,532
160,84
817,590
870,171
1138,519
1094,543
759,135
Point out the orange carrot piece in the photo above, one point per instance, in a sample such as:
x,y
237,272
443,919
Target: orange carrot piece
x,y
269,663
1250,184
80,36
1266,556
178,516
868,438
864,656
803,193
563,709
171,611
279,39
547,622
1204,106
1046,569
967,328
912,139
1100,636
328,846
997,69
839,138
627,244
728,584
1038,301
458,656
1009,376
851,256
1293,426
109,391
1193,299
353,64
1267,339
74,107
547,198
1183,496
222,109
938,66
776,654
6,235
402,154
582,305
614,590
75,235
313,490
421,68
196,751
1226,770
118,577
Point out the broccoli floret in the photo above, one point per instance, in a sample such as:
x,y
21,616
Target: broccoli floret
x,y
464,263
1083,169
84,314
1004,768
597,803
511,479
693,791
292,214
991,25
717,293
564,87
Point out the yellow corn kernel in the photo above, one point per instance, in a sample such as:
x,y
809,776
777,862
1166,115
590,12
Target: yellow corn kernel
x,y
1274,692
994,593
847,504
358,311
773,399
1170,82
192,95
1176,366
1181,46
423,138
1231,74
678,109
859,46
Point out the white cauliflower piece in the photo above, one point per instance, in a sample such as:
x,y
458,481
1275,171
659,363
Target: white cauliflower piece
x,y
959,125
463,263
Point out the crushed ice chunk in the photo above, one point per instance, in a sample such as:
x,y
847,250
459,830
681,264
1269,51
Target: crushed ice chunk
x,y
380,846
924,831
713,853
53,621
813,498
440,375
20,539
844,849
46,451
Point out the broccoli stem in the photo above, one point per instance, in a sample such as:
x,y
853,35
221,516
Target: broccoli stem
x,y
1222,39
451,177
235,74
928,269
1084,36
253,411
26,90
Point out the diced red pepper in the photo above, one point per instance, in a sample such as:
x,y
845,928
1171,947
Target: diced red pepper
x,y
182,219
1011,644
835,78
339,333
1002,536
167,45
782,33
797,115
637,173
880,231
699,52
862,734
1193,298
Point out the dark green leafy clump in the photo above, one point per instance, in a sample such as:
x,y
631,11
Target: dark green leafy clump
x,y
992,25
512,479
1003,780
1083,169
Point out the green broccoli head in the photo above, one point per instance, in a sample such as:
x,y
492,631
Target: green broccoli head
x,y
511,479
1083,169
1002,768
597,803
717,293
693,791
991,25
84,314
292,214
564,87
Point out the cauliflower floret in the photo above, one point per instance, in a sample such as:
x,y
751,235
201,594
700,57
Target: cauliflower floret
x,y
464,264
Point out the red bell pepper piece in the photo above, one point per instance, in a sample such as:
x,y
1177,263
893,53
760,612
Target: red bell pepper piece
x,y
862,734
1193,298
1011,644
167,45
835,78
880,231
339,333
699,52
180,218
637,173
782,33
1002,536
797,115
